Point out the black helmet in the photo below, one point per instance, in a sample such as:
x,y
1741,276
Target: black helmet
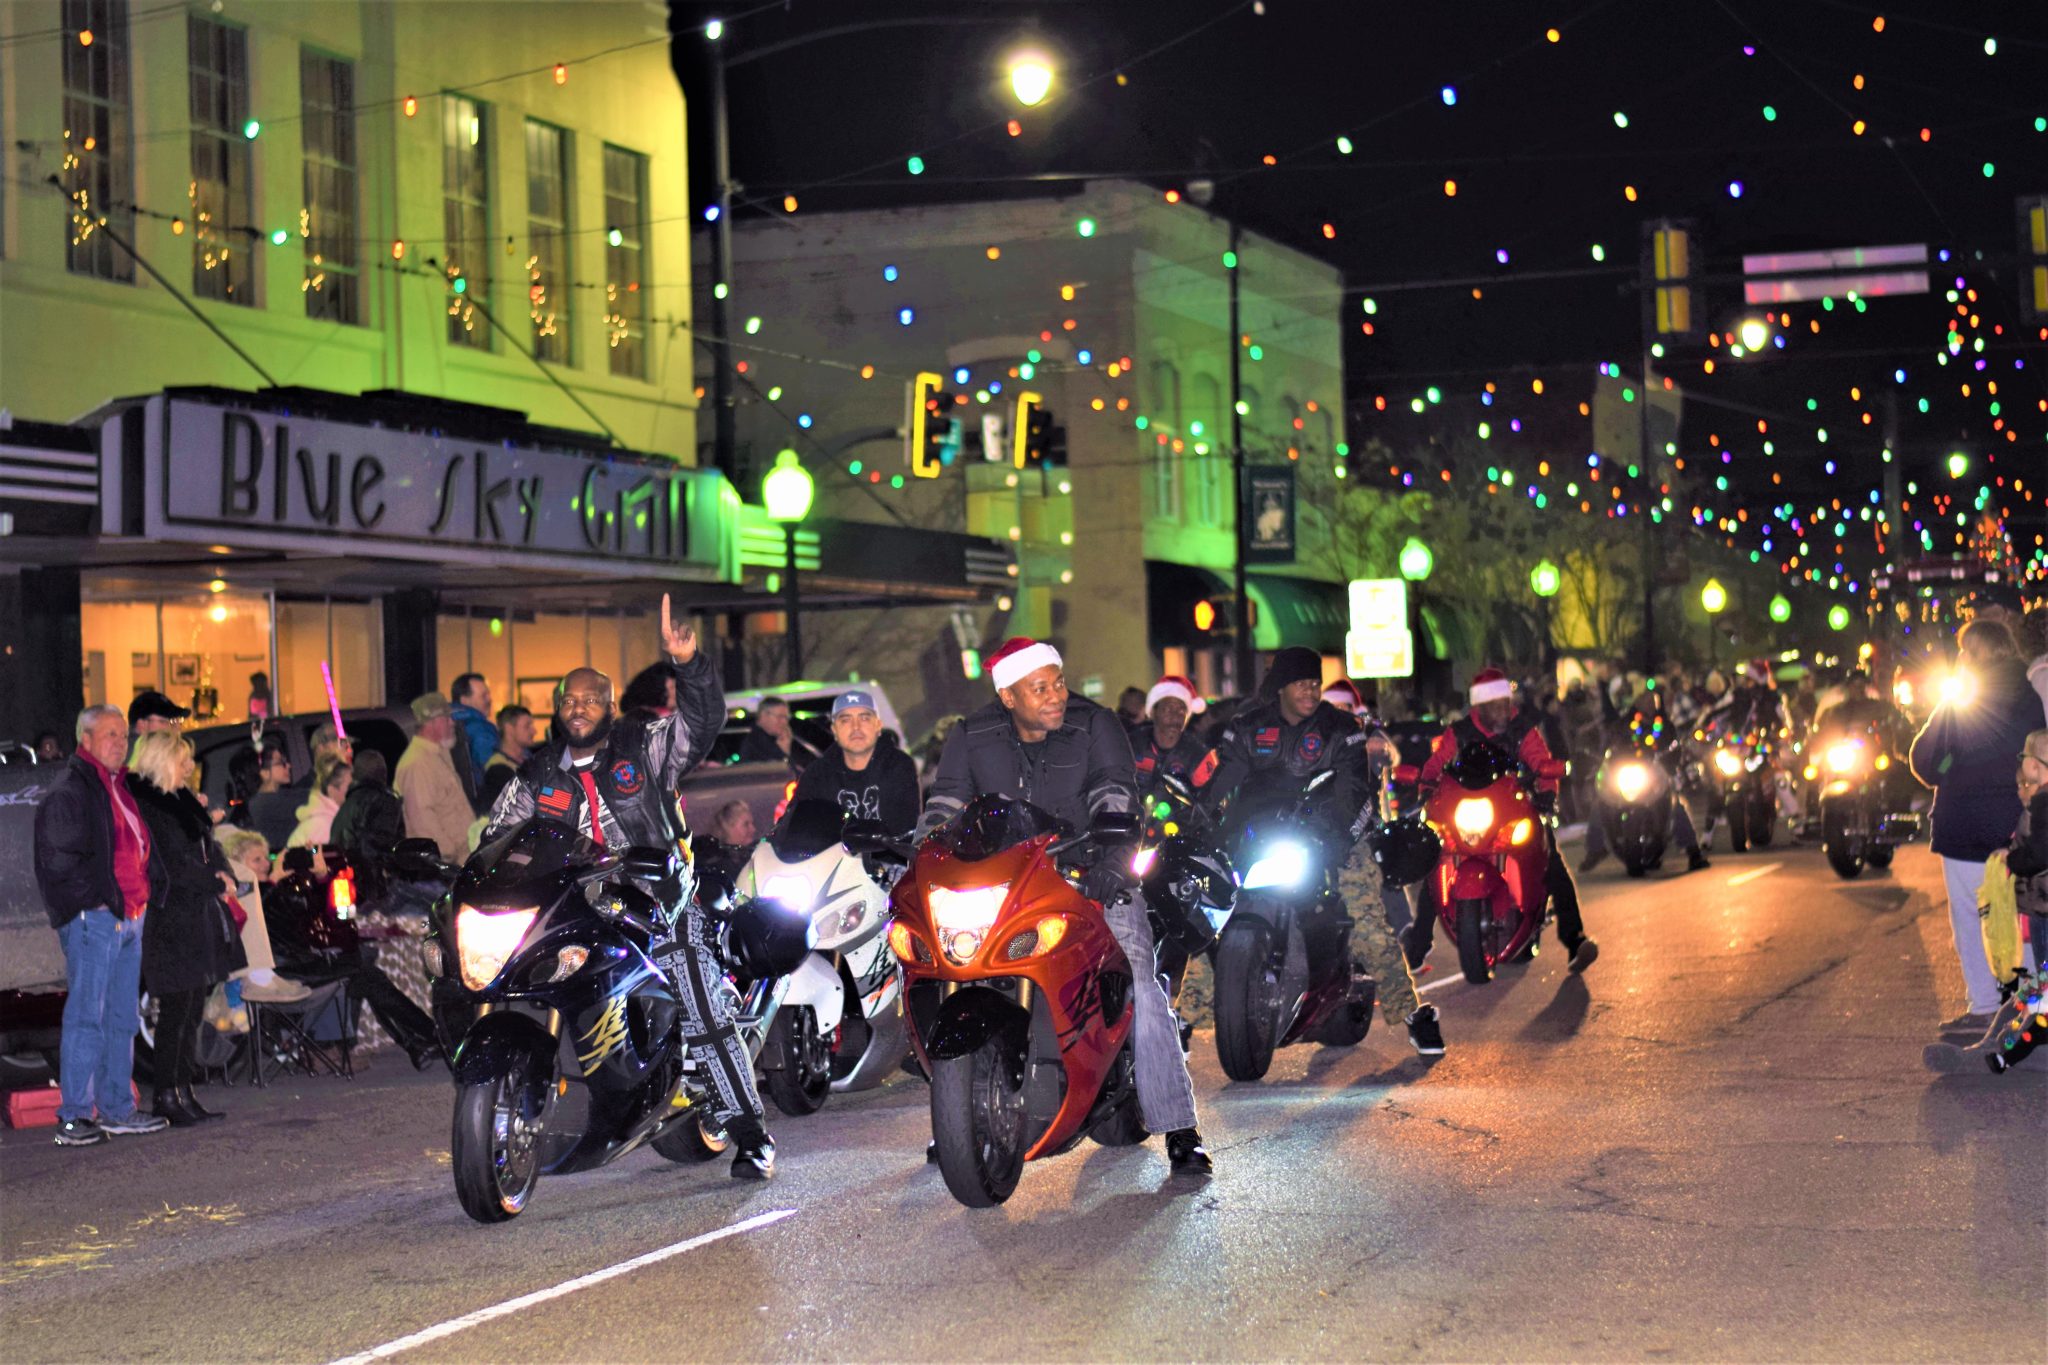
x,y
1191,895
1405,850
767,940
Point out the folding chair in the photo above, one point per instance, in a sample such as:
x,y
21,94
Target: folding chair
x,y
305,1036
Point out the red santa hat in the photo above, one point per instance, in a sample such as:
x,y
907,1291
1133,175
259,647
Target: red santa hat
x,y
1018,656
1174,685
1490,685
1343,693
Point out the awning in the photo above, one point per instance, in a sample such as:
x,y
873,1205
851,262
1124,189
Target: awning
x,y
1298,611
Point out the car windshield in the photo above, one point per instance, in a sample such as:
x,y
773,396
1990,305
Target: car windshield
x,y
510,871
993,823
808,828
1480,765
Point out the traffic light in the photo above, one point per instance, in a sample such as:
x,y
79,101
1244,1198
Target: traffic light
x,y
1216,617
1668,261
1034,436
932,434
2034,258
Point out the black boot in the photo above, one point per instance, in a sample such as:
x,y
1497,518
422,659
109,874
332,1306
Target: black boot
x,y
1185,1150
166,1104
191,1102
753,1151
1696,860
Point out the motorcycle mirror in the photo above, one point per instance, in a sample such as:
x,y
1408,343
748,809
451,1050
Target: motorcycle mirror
x,y
647,862
1407,773
416,857
1552,769
865,836
1115,827
1176,786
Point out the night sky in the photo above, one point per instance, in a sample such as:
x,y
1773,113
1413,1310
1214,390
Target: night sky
x,y
1542,172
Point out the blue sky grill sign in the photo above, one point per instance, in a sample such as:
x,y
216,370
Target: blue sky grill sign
x,y
278,481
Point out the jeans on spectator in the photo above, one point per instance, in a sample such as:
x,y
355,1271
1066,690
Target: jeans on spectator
x,y
1963,879
103,975
1166,1096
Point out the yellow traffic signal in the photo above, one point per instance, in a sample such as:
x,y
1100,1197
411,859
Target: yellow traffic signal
x,y
1020,426
924,458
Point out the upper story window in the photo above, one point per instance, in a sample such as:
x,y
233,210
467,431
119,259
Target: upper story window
x,y
547,240
625,261
98,175
1165,433
223,208
327,220
466,220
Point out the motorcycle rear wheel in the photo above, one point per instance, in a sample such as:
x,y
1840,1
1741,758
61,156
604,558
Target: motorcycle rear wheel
x,y
803,1081
691,1141
1763,824
1878,856
1472,942
1352,1021
1247,999
494,1149
979,1122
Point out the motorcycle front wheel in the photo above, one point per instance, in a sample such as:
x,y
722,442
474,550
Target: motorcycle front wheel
x,y
495,1146
1835,841
1878,856
1247,999
979,1123
801,1083
1472,942
1763,823
1738,825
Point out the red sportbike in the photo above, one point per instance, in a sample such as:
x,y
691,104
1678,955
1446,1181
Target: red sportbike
x,y
1489,880
1019,997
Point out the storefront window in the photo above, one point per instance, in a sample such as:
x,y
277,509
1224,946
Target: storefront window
x,y
523,654
199,648
349,636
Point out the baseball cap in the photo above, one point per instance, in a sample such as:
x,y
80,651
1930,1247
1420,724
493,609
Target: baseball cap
x,y
428,705
148,704
853,699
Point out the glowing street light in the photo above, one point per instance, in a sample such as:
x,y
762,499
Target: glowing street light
x,y
1416,561
1754,334
1838,617
1714,597
1031,77
1958,465
1781,608
1544,579
786,493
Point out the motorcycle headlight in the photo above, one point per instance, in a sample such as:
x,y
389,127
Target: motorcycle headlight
x,y
788,890
1520,832
1473,817
964,917
1959,688
1902,693
1728,761
1283,864
1845,757
1631,780
1142,861
838,921
485,941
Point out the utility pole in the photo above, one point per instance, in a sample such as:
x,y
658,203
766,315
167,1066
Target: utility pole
x,y
1242,636
725,438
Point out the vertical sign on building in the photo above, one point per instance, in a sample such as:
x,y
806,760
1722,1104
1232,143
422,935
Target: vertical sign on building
x,y
1270,507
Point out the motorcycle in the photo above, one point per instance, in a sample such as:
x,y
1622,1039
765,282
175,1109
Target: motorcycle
x,y
1863,814
1284,969
1489,887
1019,997
816,1044
1748,789
1633,805
575,1055
1189,882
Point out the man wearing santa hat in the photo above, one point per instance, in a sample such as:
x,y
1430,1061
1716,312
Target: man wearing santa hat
x,y
1494,720
1070,757
1163,745
1289,728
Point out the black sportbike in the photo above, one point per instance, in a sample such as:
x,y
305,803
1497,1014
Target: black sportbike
x,y
570,1051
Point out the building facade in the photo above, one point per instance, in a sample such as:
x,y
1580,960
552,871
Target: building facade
x,y
1110,309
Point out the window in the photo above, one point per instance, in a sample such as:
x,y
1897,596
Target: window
x,y
547,240
466,220
98,175
625,260
222,207
327,220
1209,468
1164,432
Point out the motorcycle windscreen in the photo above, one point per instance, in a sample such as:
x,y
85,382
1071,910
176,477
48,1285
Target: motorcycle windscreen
x,y
991,824
808,828
516,869
1478,766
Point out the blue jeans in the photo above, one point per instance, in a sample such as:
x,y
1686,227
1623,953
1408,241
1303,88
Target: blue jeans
x,y
103,970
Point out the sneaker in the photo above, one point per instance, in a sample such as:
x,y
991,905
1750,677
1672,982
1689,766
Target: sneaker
x,y
130,1124
1424,1033
1185,1150
1969,1022
1583,954
79,1133
753,1151
1696,861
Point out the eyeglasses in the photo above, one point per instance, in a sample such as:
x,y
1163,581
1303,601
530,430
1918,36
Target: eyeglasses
x,y
571,701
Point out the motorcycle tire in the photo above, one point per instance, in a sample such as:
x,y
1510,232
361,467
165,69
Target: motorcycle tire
x,y
1471,942
1247,999
1738,826
1879,856
980,1124
1123,1126
495,1146
691,1141
802,1082
1846,862
1763,825
1352,1021
1635,867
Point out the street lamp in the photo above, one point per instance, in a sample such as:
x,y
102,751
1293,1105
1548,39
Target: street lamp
x,y
1781,608
1753,333
1714,598
786,493
1416,561
1958,465
1543,581
1838,617
1031,77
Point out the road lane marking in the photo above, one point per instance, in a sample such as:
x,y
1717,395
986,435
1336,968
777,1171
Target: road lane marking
x,y
1454,980
509,1306
1755,872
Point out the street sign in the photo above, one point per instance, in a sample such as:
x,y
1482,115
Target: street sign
x,y
1379,643
1269,498
1866,271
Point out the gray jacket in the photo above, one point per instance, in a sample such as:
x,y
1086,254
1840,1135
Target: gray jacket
x,y
1083,767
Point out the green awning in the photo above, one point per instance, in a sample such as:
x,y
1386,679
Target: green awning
x,y
1299,611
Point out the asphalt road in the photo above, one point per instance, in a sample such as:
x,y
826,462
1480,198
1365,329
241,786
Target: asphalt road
x,y
1718,1144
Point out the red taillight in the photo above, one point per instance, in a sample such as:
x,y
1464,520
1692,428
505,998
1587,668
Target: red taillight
x,y
341,892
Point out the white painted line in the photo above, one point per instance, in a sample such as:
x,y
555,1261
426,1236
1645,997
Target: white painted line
x,y
509,1306
1455,979
1755,872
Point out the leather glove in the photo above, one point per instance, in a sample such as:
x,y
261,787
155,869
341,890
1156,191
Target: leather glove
x,y
1107,882
1546,803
